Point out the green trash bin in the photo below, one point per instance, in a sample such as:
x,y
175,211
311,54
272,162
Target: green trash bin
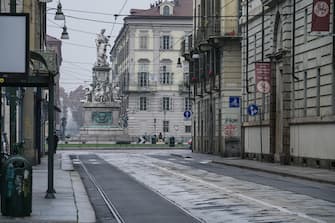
x,y
172,141
16,192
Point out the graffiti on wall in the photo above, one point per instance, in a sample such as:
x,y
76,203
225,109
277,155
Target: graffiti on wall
x,y
230,127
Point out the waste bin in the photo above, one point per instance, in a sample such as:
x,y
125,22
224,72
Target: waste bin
x,y
16,192
171,141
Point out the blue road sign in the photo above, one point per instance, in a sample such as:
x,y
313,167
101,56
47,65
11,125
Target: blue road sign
x,y
252,109
234,101
187,114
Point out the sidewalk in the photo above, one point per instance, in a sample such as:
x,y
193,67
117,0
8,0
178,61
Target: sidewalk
x,y
307,173
71,203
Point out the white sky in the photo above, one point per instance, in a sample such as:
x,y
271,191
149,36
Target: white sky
x,y
79,52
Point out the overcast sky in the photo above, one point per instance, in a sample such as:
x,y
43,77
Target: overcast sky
x,y
79,52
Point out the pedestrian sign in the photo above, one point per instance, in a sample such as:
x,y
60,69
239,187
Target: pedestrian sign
x,y
234,101
252,109
187,114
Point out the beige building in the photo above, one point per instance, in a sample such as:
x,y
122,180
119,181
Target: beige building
x,y
144,65
296,123
215,76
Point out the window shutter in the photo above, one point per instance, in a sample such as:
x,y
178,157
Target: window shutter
x,y
171,104
138,104
171,79
161,42
171,42
161,104
161,75
148,104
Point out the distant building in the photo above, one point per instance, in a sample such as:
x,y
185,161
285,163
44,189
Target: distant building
x,y
144,64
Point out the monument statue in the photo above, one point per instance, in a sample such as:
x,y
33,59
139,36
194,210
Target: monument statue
x,y
102,42
102,102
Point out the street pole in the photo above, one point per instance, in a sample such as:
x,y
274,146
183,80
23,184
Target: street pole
x,y
333,56
51,141
263,95
12,98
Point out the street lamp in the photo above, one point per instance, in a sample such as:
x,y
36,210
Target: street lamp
x,y
65,34
59,13
179,63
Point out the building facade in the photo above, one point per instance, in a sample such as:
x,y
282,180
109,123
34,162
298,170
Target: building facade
x,y
215,77
22,115
295,122
144,65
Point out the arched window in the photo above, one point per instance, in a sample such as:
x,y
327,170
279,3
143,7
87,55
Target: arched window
x,y
166,10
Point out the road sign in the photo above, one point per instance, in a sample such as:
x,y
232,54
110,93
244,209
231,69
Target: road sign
x,y
252,109
187,114
234,101
263,77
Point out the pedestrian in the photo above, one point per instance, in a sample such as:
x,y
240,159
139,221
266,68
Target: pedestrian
x,y
56,139
160,137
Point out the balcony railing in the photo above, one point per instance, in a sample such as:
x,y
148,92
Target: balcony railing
x,y
215,27
144,88
184,87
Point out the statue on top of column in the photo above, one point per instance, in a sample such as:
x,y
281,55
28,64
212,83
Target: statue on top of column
x,y
102,43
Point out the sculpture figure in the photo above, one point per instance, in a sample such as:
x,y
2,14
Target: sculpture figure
x,y
102,43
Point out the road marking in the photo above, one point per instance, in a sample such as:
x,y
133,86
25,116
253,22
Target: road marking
x,y
205,161
241,196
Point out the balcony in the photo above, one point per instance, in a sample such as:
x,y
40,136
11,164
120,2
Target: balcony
x,y
216,32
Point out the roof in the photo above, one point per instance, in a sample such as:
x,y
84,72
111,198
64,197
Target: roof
x,y
181,8
53,39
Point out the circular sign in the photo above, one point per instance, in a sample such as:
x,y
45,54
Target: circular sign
x,y
263,87
321,9
252,109
187,114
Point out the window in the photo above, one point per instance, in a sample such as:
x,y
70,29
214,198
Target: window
x,y
143,41
166,104
305,25
166,76
166,42
187,128
186,78
188,105
143,79
143,103
165,126
305,93
143,74
166,11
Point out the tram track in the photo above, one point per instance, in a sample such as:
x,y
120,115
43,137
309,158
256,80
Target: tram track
x,y
118,197
111,207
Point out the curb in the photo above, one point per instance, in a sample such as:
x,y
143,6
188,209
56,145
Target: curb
x,y
276,172
285,174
